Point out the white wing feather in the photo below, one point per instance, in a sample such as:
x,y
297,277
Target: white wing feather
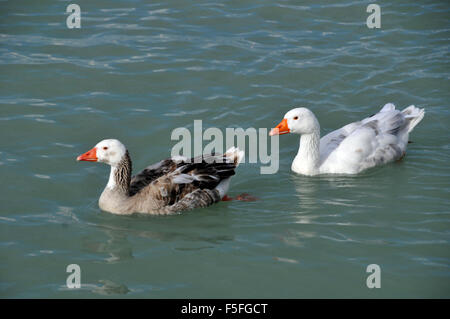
x,y
378,139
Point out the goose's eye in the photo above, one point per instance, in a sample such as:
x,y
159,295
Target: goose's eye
x,y
105,147
296,118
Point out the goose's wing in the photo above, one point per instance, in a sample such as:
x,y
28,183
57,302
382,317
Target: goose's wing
x,y
153,172
375,140
333,140
193,183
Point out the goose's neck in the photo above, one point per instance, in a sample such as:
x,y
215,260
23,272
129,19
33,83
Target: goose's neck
x,y
120,176
307,160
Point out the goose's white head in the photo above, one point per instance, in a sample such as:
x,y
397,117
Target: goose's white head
x,y
109,151
299,121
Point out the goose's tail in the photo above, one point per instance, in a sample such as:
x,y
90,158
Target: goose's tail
x,y
235,155
413,115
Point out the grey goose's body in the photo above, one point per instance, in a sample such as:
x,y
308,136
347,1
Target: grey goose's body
x,y
170,186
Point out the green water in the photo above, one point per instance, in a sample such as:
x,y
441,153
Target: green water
x,y
137,71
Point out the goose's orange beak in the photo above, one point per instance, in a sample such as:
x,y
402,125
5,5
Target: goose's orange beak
x,y
90,156
280,129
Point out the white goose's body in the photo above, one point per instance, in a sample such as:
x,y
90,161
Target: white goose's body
x,y
378,139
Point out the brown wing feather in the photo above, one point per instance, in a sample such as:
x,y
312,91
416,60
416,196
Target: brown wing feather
x,y
150,174
171,181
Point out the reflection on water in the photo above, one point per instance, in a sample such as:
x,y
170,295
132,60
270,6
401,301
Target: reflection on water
x,y
307,189
338,190
104,287
116,246
108,287
117,231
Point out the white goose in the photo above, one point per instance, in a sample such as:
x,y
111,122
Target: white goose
x,y
378,139
170,186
